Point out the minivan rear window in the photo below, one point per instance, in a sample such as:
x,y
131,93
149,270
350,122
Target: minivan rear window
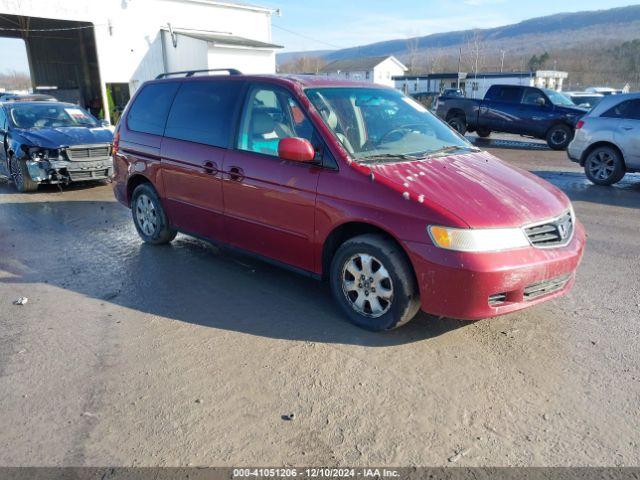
x,y
149,111
202,112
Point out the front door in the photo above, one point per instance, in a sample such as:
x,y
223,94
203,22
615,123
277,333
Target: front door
x,y
535,113
197,134
270,202
3,140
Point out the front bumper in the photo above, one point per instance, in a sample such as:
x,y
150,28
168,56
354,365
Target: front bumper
x,y
64,171
466,285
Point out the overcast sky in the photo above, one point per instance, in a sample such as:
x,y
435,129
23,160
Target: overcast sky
x,y
332,24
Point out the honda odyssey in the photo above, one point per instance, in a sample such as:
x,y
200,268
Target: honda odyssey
x,y
349,182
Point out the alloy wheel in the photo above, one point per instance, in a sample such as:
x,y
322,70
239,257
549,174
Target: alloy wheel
x,y
559,137
16,172
367,285
146,215
601,165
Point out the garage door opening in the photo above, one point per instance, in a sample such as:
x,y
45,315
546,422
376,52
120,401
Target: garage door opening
x,y
62,58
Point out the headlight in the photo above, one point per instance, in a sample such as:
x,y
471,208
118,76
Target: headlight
x,y
37,154
477,240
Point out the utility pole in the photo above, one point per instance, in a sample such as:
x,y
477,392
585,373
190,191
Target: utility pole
x,y
459,62
502,62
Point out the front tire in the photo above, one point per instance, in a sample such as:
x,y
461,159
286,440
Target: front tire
x,y
604,166
149,217
483,132
372,281
559,137
20,175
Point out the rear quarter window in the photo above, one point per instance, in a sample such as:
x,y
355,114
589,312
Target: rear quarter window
x,y
202,112
148,114
629,110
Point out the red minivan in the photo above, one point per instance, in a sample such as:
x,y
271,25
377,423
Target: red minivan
x,y
350,182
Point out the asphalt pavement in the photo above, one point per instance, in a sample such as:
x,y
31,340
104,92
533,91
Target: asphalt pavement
x,y
127,354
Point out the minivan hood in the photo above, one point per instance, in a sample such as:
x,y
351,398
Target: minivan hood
x,y
478,188
66,136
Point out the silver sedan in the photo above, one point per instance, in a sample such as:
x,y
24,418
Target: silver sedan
x,y
607,139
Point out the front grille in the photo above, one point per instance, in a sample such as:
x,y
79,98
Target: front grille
x,y
89,175
546,287
553,233
77,154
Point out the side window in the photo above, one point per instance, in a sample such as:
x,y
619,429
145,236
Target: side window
x,y
202,112
149,111
532,97
505,94
270,115
627,110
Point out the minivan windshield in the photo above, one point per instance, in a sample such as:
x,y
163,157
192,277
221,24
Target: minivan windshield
x,y
48,115
375,124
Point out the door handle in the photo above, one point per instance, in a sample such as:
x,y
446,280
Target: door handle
x,y
236,174
210,168
627,128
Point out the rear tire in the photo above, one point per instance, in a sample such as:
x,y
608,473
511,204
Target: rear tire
x,y
458,123
20,175
559,137
604,166
372,281
149,217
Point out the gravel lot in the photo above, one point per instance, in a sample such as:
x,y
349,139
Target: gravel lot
x,y
133,355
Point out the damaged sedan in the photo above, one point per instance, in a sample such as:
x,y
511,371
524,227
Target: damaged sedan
x,y
53,143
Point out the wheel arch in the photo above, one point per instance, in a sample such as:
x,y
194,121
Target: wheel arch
x,y
602,143
134,181
348,230
456,112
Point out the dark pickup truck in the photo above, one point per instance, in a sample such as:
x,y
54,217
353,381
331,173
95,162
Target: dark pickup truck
x,y
528,111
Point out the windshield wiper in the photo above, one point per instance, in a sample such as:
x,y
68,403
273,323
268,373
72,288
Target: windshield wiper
x,y
387,156
445,150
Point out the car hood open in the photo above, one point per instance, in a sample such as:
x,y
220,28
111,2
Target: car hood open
x,y
66,136
478,188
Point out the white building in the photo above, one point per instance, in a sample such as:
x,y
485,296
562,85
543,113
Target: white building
x,y
476,85
85,48
380,70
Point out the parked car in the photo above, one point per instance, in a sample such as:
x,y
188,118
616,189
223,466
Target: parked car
x,y
26,97
352,182
584,99
452,92
53,142
529,111
607,141
604,90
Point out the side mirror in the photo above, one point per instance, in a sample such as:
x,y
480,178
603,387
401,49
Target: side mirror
x,y
105,123
296,149
540,102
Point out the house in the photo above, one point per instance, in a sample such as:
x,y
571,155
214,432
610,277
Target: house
x,y
380,70
97,53
476,85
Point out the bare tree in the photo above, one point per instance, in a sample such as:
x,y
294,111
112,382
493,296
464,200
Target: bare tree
x,y
303,64
14,80
413,50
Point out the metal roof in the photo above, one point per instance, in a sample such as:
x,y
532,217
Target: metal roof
x,y
223,40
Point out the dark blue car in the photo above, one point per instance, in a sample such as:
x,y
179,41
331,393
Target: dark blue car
x,y
530,111
53,142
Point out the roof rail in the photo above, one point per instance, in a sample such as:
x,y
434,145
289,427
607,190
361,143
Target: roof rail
x,y
191,73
